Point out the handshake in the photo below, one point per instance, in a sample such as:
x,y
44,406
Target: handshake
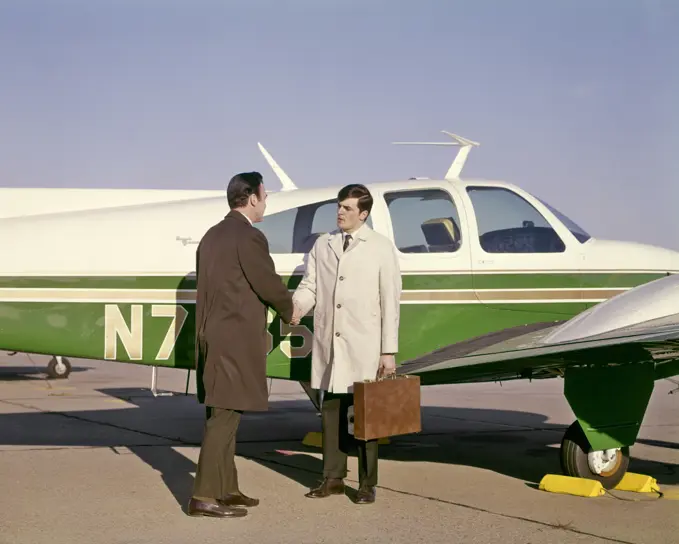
x,y
296,315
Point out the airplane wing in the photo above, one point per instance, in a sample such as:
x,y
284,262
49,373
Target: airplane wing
x,y
639,326
522,352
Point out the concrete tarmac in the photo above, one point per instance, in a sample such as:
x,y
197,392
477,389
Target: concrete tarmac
x,y
98,458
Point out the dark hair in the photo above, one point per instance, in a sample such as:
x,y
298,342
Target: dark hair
x,y
241,187
356,190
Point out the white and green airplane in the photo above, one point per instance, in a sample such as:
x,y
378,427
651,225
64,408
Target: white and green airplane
x,y
497,285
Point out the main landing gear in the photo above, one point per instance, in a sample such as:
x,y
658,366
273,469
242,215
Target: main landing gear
x,y
610,402
579,460
58,368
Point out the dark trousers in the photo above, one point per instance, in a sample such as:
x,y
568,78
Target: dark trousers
x,y
216,475
337,442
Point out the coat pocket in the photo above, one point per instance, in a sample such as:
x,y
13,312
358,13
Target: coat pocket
x,y
319,322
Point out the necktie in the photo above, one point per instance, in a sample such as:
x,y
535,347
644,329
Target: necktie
x,y
347,241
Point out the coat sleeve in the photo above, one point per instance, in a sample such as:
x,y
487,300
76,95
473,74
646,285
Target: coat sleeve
x,y
199,351
197,317
390,299
260,271
305,294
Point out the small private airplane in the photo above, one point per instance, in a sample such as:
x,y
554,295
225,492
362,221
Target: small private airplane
x,y
497,285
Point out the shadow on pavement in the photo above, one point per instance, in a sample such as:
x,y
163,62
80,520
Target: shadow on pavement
x,y
38,372
520,445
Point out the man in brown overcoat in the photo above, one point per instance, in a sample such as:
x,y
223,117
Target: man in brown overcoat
x,y
236,282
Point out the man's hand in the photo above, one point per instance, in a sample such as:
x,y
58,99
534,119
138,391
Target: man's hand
x,y
296,315
387,365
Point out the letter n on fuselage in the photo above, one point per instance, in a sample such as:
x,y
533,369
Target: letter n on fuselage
x,y
115,327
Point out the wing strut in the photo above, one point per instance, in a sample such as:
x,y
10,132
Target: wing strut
x,y
461,157
286,182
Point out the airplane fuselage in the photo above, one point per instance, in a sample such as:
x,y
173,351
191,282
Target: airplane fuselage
x,y
476,257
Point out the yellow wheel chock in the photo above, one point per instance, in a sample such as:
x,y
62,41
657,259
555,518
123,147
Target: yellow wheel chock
x,y
568,485
583,487
638,483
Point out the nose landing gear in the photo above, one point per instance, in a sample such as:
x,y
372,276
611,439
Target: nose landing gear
x,y
58,368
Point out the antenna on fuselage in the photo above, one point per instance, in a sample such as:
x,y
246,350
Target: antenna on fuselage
x,y
286,182
461,157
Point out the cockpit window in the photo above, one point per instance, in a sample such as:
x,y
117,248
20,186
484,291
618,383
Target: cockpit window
x,y
576,230
508,223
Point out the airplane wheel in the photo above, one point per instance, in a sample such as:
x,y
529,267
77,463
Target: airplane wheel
x,y
578,459
58,368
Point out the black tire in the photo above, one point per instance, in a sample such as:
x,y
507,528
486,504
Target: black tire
x,y
574,450
55,372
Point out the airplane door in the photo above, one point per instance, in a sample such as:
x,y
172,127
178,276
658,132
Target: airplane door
x,y
527,266
429,229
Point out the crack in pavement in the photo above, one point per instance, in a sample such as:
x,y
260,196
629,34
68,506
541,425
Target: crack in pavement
x,y
461,505
180,441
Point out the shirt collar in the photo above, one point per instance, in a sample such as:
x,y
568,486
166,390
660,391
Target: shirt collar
x,y
354,234
246,217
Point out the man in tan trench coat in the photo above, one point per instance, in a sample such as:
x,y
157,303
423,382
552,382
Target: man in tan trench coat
x,y
236,281
353,281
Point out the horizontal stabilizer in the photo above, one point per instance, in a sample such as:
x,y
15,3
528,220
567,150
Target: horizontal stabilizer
x,y
458,164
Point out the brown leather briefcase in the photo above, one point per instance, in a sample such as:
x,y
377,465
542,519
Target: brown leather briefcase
x,y
386,407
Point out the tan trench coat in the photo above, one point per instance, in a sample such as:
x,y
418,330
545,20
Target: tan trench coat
x,y
356,297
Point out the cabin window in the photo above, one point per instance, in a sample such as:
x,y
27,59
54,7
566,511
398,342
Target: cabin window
x,y
424,221
297,229
508,223
278,229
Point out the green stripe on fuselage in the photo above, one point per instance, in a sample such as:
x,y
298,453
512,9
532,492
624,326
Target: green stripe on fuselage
x,y
77,329
531,280
543,280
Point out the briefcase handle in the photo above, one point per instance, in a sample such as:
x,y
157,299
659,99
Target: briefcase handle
x,y
392,376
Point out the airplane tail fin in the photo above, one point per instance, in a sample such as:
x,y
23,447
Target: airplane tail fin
x,y
458,163
286,182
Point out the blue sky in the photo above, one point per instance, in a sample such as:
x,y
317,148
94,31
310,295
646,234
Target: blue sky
x,y
574,101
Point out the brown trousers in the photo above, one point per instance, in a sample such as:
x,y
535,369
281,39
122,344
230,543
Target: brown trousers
x,y
337,442
216,475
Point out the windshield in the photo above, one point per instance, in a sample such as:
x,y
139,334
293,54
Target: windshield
x,y
576,230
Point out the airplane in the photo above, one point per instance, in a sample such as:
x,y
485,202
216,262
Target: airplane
x,y
20,202
497,285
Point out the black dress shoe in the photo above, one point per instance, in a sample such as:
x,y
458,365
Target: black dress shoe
x,y
330,486
366,495
213,510
238,499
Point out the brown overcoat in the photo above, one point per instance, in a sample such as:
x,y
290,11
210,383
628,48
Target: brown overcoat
x,y
236,282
